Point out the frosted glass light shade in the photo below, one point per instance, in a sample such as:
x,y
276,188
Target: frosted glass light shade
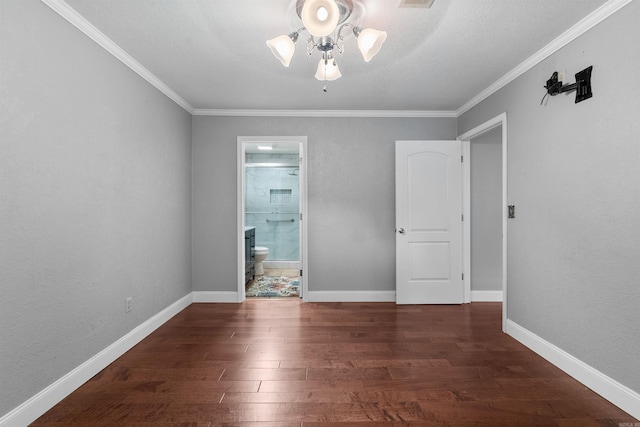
x,y
282,48
320,17
370,41
328,72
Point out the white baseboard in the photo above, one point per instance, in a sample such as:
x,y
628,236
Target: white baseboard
x,y
618,394
486,296
350,296
212,296
37,405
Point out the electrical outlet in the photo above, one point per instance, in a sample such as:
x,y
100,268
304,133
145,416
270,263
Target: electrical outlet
x,y
128,305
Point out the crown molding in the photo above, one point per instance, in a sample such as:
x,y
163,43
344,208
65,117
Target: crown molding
x,y
322,113
77,20
597,16
588,22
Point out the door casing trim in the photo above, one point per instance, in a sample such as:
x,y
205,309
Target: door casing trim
x,y
304,261
500,120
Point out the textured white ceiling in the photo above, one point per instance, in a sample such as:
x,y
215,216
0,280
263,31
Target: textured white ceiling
x,y
213,52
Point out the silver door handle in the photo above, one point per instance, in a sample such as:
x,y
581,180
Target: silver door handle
x,y
401,230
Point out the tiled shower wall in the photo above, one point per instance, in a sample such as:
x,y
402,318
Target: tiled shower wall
x,y
272,204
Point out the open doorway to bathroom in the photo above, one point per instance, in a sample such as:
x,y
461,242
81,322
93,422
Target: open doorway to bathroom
x,y
272,205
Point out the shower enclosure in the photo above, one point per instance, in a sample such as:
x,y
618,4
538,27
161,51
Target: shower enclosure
x,y
272,205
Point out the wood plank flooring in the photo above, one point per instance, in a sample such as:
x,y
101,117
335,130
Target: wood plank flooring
x,y
284,363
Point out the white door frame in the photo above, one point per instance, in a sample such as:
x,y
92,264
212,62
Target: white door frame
x,y
302,151
466,138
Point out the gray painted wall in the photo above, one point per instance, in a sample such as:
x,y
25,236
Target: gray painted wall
x,y
574,174
94,199
351,199
486,211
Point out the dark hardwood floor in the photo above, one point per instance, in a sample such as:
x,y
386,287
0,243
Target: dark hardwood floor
x,y
284,363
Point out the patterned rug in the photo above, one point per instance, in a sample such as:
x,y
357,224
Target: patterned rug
x,y
273,286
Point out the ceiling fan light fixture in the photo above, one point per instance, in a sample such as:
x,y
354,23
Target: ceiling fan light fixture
x,y
328,70
325,21
369,42
320,17
283,47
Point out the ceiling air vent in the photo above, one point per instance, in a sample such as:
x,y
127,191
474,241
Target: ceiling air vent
x,y
416,3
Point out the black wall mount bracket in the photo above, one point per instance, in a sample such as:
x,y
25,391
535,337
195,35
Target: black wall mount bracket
x,y
582,86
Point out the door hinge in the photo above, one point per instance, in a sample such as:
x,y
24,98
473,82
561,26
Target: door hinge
x,y
462,217
300,273
300,216
462,276
461,159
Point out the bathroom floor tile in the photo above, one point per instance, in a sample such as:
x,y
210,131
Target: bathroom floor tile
x,y
272,272
290,273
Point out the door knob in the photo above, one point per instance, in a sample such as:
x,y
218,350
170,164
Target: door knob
x,y
401,230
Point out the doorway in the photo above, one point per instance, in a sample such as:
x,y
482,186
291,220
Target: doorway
x,y
272,203
496,129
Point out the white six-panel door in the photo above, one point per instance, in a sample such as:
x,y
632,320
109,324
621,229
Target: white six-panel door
x,y
429,222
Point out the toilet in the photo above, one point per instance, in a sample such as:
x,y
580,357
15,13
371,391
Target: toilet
x,y
260,254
